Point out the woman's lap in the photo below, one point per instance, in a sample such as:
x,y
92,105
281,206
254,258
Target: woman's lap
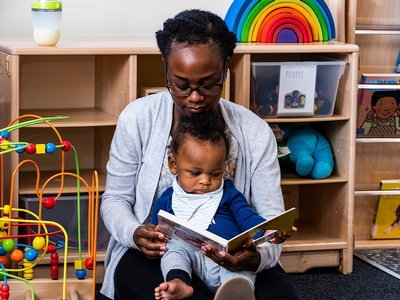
x,y
136,276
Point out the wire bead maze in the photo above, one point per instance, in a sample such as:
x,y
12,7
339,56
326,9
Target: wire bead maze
x,y
26,256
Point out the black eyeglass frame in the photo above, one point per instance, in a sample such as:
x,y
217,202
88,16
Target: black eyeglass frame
x,y
197,89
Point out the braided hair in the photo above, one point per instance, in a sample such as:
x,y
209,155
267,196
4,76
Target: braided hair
x,y
193,27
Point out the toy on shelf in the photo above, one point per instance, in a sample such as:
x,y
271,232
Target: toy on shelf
x,y
37,231
281,21
306,148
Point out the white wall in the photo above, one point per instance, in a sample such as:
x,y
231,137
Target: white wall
x,y
118,18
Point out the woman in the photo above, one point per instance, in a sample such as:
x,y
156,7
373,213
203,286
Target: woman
x,y
196,47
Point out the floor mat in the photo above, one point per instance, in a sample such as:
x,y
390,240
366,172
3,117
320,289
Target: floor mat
x,y
387,260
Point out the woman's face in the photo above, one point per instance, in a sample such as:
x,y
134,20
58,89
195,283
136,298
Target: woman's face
x,y
195,66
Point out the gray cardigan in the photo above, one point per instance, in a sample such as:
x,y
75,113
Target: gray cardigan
x,y
136,158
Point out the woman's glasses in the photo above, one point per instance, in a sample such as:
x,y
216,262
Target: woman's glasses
x,y
203,90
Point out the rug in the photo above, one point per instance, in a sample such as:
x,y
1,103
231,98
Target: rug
x,y
387,260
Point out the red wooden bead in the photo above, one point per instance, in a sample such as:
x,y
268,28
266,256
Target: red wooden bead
x,y
4,288
89,263
30,149
4,292
67,146
52,248
49,202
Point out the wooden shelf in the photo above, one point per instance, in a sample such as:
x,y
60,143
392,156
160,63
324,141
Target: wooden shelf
x,y
368,243
373,140
333,118
376,30
111,73
293,179
83,117
28,180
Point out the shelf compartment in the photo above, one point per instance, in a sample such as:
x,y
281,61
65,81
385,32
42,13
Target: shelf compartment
x,y
375,160
311,239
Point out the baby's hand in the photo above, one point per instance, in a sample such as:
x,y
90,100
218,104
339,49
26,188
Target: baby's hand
x,y
282,236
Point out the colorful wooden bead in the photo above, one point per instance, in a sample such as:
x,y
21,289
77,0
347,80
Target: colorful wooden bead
x,y
30,149
38,243
30,254
8,245
67,146
49,202
80,274
17,255
89,263
50,148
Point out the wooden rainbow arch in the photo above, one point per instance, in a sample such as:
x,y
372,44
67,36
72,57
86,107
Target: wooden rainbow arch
x,y
280,21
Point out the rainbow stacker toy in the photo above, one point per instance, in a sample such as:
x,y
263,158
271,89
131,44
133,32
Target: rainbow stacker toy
x,y
281,21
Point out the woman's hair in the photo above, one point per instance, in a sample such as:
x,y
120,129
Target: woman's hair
x,y
202,127
193,27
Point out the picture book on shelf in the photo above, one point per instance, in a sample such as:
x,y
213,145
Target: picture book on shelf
x,y
296,90
378,109
173,227
386,221
380,78
397,65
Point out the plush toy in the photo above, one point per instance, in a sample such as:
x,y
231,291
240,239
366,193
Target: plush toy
x,y
309,150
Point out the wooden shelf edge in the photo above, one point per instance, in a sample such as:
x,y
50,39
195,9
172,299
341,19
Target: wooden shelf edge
x,y
375,140
79,117
334,117
315,245
293,179
75,289
376,244
27,182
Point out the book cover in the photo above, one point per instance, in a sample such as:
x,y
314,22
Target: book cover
x,y
386,221
397,65
296,90
173,227
378,110
380,78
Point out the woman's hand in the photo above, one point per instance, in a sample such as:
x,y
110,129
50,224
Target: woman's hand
x,y
247,260
151,242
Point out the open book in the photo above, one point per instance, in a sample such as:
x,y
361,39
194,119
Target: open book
x,y
173,227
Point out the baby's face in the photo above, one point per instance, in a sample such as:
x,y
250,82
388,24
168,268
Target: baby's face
x,y
200,166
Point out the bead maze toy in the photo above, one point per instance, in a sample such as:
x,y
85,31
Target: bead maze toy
x,y
18,259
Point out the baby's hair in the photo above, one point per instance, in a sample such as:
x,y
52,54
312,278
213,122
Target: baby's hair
x,y
193,27
207,127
